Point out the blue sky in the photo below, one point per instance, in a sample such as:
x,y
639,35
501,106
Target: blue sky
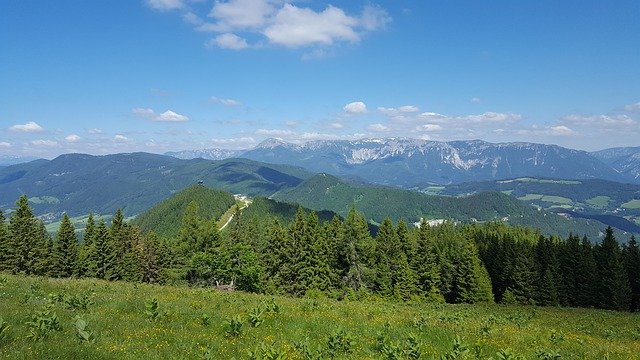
x,y
158,75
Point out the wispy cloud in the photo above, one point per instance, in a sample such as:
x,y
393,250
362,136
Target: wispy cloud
x,y
44,143
225,102
165,5
30,127
4,144
228,41
72,138
632,107
167,116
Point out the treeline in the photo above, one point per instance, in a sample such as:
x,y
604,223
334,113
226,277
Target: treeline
x,y
338,258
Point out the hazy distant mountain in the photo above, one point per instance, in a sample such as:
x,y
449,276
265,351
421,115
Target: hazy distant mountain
x,y
414,163
208,154
625,160
79,183
6,160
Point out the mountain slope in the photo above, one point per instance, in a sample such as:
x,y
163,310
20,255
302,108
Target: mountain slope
x,y
207,154
625,160
327,192
412,163
79,183
165,218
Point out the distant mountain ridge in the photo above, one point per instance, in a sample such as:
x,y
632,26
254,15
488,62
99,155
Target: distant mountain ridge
x,y
412,163
208,154
80,183
625,160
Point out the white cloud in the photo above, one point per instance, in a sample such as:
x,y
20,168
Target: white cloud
x,y
171,116
475,100
560,130
391,112
283,23
596,120
44,143
95,131
228,41
4,144
491,117
72,138
633,107
296,27
120,138
167,116
357,107
336,125
30,127
374,18
225,102
378,127
275,132
165,5
240,14
429,127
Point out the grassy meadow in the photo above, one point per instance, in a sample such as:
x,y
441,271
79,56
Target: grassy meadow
x,y
45,318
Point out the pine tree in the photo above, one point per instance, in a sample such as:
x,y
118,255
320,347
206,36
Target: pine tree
x,y
42,261
105,253
585,276
425,265
631,255
386,254
5,245
613,286
23,231
472,283
354,254
548,272
151,259
405,285
89,230
319,254
521,271
66,252
275,257
190,232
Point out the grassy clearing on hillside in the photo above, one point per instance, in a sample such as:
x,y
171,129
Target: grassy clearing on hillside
x,y
599,201
542,181
203,323
633,204
547,198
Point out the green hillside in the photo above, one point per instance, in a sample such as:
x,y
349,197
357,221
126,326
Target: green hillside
x,y
79,183
326,192
166,217
194,323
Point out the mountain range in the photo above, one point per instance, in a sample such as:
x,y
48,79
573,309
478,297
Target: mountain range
x,y
412,163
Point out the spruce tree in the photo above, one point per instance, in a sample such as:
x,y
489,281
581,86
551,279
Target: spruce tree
x,y
405,285
6,248
65,251
385,256
23,231
471,283
275,257
354,254
613,286
151,259
585,276
105,253
319,254
425,265
631,256
42,260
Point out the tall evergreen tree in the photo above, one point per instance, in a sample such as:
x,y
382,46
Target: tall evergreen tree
x,y
105,253
23,231
425,265
585,276
613,286
6,248
471,283
354,254
631,255
65,251
42,259
386,255
405,284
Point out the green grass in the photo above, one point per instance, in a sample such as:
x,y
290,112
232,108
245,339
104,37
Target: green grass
x,y
633,204
44,200
79,222
599,201
547,198
189,323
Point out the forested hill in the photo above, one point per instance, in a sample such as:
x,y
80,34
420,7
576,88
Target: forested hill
x,y
326,192
165,218
79,183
